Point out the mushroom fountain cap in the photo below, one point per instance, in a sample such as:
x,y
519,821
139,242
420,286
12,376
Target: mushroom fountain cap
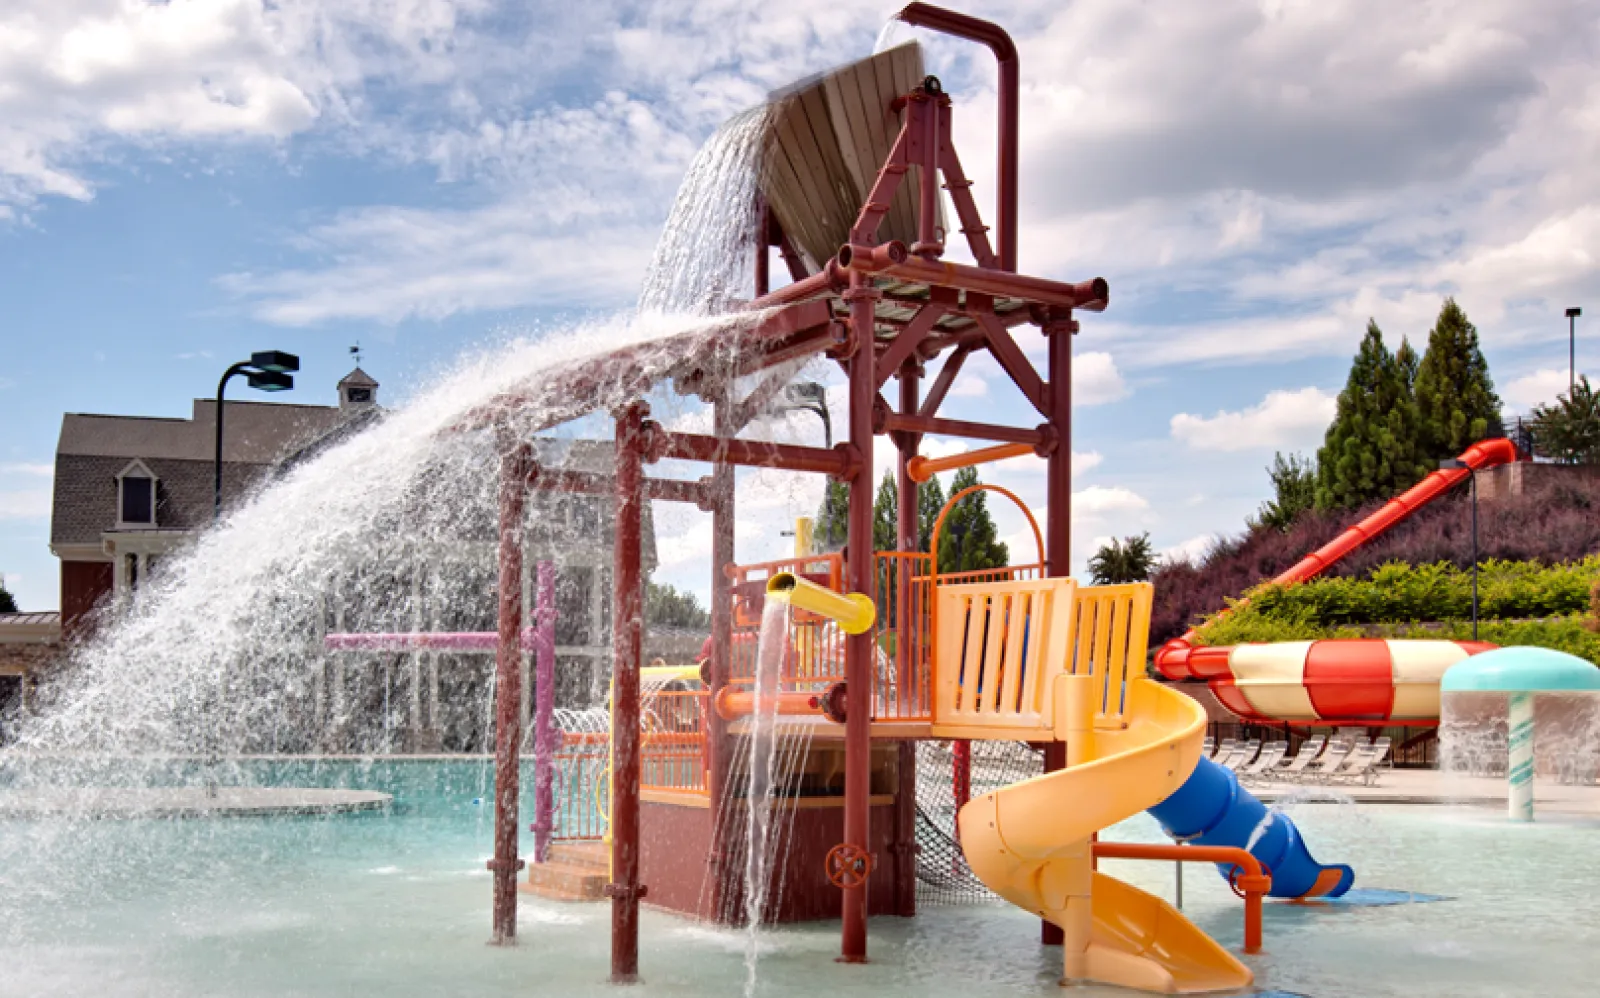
x,y
1521,670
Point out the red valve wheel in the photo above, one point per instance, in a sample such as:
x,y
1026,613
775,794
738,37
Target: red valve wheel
x,y
848,866
1236,874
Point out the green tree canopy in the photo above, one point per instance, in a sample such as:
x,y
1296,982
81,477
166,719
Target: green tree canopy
x,y
1456,401
930,500
1294,490
8,603
832,527
666,606
1371,448
967,542
1131,559
886,515
1569,431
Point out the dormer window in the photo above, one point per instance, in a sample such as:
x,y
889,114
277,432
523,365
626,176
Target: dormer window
x,y
136,496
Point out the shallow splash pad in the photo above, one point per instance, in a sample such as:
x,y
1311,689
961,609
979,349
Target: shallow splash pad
x,y
1520,674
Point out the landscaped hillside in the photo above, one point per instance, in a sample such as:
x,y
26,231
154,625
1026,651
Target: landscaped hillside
x,y
1555,525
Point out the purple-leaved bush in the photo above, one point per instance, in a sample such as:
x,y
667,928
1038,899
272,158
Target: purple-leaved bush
x,y
1557,522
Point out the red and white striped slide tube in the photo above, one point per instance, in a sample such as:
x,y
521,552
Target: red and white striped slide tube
x,y
1351,681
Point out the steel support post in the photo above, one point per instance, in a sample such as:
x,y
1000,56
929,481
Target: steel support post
x,y
514,463
1058,328
545,739
627,645
906,645
858,655
724,414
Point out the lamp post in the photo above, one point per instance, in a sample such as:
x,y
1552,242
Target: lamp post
x,y
1572,349
808,396
1456,462
268,371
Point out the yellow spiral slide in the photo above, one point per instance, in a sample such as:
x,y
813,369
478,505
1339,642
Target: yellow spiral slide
x,y
1015,658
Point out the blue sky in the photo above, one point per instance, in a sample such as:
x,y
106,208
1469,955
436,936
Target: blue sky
x,y
184,182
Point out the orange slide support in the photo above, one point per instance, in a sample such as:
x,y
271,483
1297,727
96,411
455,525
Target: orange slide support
x,y
1172,660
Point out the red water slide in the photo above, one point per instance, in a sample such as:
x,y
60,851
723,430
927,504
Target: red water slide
x,y
1176,658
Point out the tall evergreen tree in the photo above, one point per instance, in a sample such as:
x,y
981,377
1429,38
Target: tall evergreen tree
x,y
8,603
968,540
886,515
1370,450
1407,358
930,500
1455,395
1294,490
832,527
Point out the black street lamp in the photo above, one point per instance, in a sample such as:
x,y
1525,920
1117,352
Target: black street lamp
x,y
268,371
1456,462
1572,349
808,396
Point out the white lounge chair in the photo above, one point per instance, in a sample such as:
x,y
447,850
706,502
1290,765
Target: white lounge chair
x,y
1244,754
1309,750
1271,754
1329,762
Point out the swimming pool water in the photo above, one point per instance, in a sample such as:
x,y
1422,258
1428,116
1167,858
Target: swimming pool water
x,y
397,904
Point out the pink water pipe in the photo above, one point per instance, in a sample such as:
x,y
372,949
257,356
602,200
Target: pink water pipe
x,y
539,639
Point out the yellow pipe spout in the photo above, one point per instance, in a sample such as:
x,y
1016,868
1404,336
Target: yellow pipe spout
x,y
853,612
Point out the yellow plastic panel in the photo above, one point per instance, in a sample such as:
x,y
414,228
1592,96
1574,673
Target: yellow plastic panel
x,y
996,647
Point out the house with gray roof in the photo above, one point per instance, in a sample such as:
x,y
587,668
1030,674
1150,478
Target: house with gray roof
x,y
130,490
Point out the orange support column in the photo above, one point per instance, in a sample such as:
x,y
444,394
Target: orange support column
x,y
863,298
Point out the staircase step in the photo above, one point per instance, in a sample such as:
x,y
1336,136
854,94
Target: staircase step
x,y
566,881
593,854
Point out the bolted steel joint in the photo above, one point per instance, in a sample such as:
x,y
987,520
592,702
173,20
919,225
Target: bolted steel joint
x,y
626,891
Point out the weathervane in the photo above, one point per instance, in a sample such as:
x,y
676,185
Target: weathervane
x,y
355,352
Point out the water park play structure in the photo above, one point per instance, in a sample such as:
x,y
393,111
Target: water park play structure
x,y
1364,681
850,196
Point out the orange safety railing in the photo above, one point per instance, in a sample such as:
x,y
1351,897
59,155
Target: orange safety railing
x,y
749,584
581,787
1249,879
672,741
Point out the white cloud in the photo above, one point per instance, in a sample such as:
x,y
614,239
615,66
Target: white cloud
x,y
1538,388
1099,501
390,264
1082,462
1190,550
969,386
38,470
1282,419
25,504
1095,379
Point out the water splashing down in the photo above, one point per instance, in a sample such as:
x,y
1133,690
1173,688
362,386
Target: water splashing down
x,y
770,655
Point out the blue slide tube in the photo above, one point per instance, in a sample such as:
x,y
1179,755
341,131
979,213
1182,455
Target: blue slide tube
x,y
1212,809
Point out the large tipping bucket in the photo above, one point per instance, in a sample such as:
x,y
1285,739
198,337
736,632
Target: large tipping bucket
x,y
828,137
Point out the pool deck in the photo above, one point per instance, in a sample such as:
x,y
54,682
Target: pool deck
x,y
1429,786
187,802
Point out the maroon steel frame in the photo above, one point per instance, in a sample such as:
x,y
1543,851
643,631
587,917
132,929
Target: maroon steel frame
x,y
959,310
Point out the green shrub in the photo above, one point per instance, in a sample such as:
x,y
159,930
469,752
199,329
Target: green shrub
x,y
1397,592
